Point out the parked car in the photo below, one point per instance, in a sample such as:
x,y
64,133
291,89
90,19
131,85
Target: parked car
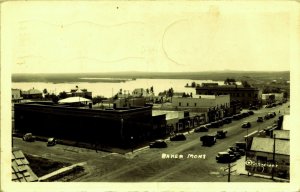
x,y
241,145
215,124
246,124
221,134
158,144
236,154
253,108
267,116
260,119
202,128
225,157
250,112
178,137
29,137
51,141
237,149
227,120
237,117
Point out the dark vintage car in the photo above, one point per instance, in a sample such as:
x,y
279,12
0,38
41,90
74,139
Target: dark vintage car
x,y
29,137
241,145
246,124
227,120
225,157
202,128
253,108
260,119
158,144
221,134
51,141
178,137
250,112
208,140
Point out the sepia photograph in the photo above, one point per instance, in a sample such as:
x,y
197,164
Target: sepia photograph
x,y
149,95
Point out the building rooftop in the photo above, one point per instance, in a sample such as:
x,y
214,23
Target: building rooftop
x,y
266,145
21,171
282,134
32,92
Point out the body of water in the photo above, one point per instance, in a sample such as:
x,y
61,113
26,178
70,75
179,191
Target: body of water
x,y
109,89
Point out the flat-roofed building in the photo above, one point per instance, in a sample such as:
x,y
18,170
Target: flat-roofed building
x,y
216,106
247,96
259,158
114,127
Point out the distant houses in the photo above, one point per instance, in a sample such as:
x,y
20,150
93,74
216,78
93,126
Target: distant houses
x,y
32,94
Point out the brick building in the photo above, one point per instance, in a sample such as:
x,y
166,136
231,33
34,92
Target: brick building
x,y
246,96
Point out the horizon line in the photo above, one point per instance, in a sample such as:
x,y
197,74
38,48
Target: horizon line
x,y
110,72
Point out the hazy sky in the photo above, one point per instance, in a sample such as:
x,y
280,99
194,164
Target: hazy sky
x,y
146,36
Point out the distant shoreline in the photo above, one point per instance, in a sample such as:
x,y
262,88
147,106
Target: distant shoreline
x,y
119,77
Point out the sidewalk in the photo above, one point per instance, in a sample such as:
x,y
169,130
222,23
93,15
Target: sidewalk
x,y
60,171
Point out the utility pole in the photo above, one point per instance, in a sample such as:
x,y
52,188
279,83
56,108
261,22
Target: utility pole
x,y
273,166
229,171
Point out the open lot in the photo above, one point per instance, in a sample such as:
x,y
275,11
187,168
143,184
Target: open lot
x,y
197,165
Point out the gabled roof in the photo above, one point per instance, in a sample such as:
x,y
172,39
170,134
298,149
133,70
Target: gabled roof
x,y
21,170
266,145
32,92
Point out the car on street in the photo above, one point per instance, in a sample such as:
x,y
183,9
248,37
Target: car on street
x,y
208,140
240,145
215,124
253,108
225,157
51,141
236,154
250,112
260,119
158,144
221,134
246,124
178,137
29,137
237,149
227,120
202,128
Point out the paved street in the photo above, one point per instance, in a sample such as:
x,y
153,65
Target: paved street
x,y
148,164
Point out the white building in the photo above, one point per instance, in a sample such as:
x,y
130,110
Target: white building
x,y
202,103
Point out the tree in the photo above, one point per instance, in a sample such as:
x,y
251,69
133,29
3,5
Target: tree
x,y
194,84
151,89
246,84
98,99
147,91
230,81
54,98
170,92
45,91
62,95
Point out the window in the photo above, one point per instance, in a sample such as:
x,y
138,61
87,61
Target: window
x,y
179,103
187,104
195,104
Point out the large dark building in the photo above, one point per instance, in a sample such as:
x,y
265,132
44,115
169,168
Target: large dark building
x,y
114,127
246,96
